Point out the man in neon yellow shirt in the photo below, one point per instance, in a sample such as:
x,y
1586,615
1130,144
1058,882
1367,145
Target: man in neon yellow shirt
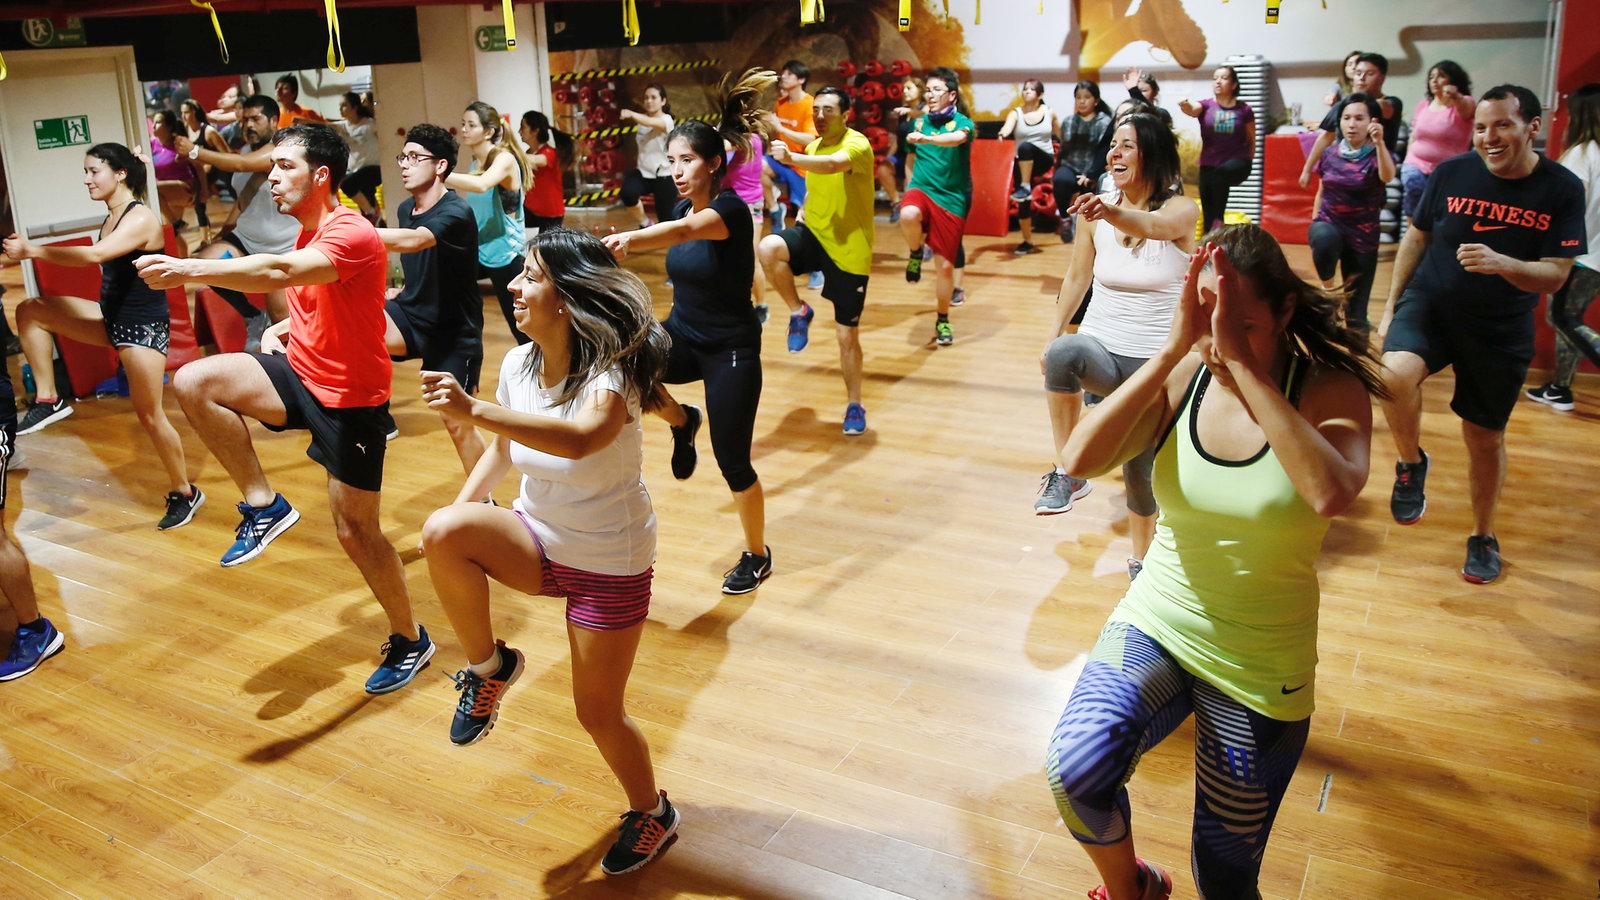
x,y
834,235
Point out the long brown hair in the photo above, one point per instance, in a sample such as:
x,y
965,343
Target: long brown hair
x,y
1317,331
737,102
500,139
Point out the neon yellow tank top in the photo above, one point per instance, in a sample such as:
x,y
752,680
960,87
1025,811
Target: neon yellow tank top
x,y
1229,587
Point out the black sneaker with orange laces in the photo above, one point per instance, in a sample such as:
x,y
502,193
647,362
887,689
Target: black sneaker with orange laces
x,y
480,696
640,837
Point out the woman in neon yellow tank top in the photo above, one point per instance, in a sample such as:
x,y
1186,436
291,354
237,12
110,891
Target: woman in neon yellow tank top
x,y
1258,408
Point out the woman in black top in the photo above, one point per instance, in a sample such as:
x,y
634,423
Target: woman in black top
x,y
716,337
130,316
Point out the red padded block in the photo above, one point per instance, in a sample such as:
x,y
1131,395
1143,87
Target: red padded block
x,y
216,322
1285,205
991,187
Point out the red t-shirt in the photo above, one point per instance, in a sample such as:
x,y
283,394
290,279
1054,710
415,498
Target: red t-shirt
x,y
336,329
544,198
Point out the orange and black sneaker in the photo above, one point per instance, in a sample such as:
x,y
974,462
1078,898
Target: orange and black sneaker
x,y
640,837
480,696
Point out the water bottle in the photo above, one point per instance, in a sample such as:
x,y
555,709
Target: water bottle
x,y
27,380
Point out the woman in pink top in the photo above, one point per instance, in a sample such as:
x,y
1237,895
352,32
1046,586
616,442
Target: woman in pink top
x,y
1440,128
744,179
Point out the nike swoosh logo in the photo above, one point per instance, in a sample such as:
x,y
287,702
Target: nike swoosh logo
x,y
1479,226
1289,690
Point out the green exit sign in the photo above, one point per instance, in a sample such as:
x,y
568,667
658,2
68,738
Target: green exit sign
x,y
63,132
490,38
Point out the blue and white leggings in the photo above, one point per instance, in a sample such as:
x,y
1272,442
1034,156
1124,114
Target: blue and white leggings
x,y
1131,695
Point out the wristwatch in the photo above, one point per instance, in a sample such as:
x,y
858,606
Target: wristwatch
x,y
194,151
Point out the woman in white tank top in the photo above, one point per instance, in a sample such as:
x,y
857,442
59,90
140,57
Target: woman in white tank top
x,y
1140,236
1034,127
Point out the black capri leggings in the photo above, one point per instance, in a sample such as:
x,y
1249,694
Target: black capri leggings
x,y
364,180
1065,184
1330,250
500,279
1041,162
1215,182
733,392
636,184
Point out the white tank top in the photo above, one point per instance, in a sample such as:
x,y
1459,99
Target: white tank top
x,y
653,149
260,227
1135,293
1038,135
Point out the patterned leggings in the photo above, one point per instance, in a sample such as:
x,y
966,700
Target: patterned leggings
x,y
1566,314
1131,695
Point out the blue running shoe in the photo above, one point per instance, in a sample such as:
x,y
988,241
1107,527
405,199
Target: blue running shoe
x,y
816,281
402,660
258,528
31,646
855,419
800,328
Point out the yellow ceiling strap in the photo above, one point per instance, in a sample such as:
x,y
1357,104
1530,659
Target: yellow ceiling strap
x,y
335,44
2,67
511,25
977,12
811,12
905,15
215,25
630,23
1272,12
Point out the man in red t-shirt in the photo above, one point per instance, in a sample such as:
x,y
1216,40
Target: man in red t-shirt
x,y
325,369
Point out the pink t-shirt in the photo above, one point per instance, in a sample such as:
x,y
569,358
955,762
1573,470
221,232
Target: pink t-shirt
x,y
744,175
1437,135
336,330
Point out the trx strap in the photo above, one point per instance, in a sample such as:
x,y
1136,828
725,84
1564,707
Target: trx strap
x,y
511,25
811,12
335,44
216,26
630,23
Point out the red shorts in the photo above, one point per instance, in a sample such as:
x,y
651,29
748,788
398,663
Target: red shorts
x,y
943,228
594,601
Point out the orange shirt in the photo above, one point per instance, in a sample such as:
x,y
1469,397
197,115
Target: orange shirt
x,y
336,330
796,116
286,115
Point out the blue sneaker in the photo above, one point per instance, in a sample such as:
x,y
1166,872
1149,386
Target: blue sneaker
x,y
30,648
800,329
815,283
258,528
855,419
780,212
402,660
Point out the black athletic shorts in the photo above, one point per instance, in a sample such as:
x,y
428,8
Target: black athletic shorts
x,y
462,357
349,442
1490,354
847,292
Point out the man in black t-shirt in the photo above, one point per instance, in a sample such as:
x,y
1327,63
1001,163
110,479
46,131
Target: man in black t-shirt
x,y
438,315
1370,72
1494,229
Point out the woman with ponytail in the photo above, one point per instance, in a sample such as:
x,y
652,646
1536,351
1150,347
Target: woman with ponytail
x,y
544,205
716,337
493,188
1258,407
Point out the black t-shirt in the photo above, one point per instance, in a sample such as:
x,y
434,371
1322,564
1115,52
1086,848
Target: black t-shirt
x,y
711,281
1391,124
441,291
1536,217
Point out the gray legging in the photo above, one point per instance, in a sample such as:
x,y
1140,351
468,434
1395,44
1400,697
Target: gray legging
x,y
1566,314
1078,362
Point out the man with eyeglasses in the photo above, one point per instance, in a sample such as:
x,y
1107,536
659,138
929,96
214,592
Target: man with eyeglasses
x,y
255,225
933,209
438,315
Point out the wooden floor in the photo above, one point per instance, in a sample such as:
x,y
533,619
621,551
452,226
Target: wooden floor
x,y
871,723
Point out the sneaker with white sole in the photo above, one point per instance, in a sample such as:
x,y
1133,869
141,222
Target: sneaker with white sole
x,y
35,642
855,419
640,837
479,706
1552,396
40,414
180,508
747,575
258,528
402,660
1057,490
1407,501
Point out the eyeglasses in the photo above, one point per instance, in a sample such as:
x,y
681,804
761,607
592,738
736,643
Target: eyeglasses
x,y
411,159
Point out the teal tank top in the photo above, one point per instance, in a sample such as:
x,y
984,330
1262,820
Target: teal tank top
x,y
499,214
1229,586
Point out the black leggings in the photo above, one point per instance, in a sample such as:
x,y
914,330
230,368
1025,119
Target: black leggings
x,y
1329,249
500,279
733,392
1065,184
635,185
1041,162
1215,182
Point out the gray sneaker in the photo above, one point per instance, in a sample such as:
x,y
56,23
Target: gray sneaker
x,y
1057,490
1407,501
254,328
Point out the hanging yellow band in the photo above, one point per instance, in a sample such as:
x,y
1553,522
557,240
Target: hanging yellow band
x,y
630,23
216,26
335,44
905,15
1272,12
2,67
511,25
811,12
977,12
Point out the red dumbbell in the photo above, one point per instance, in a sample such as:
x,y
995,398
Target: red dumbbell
x,y
893,90
877,137
613,142
871,92
847,69
606,96
560,93
899,68
1044,199
872,69
586,95
872,115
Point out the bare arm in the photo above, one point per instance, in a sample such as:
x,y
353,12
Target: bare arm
x,y
492,466
704,225
1539,276
503,167
822,164
942,139
257,160
1075,285
1412,246
254,273
594,428
1174,221
140,229
1009,126
1324,140
648,121
407,240
1190,107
